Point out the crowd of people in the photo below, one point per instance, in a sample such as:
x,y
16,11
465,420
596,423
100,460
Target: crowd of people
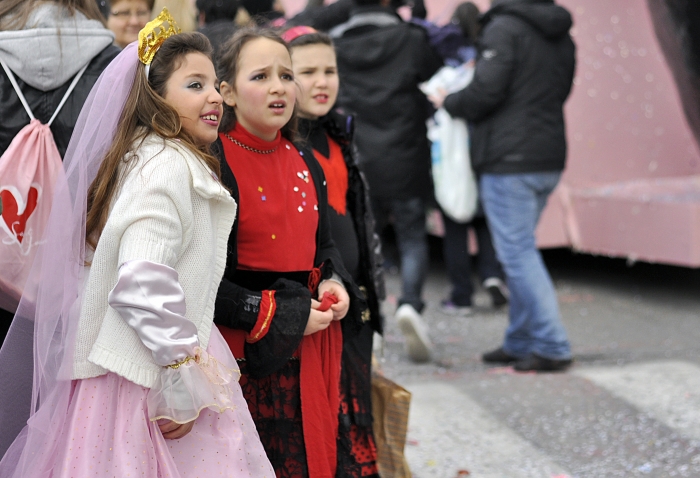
x,y
209,284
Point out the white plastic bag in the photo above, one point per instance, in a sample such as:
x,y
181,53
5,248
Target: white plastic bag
x,y
455,184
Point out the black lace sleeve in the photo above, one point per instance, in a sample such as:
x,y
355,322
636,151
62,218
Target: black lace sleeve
x,y
269,354
236,307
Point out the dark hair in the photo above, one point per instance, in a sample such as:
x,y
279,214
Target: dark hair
x,y
466,16
103,5
15,13
145,112
312,39
218,9
392,4
149,3
418,9
258,7
227,70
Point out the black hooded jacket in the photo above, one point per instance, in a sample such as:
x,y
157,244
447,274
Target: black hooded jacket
x,y
523,76
340,128
44,103
381,62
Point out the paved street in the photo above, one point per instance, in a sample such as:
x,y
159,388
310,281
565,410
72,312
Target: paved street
x,y
629,407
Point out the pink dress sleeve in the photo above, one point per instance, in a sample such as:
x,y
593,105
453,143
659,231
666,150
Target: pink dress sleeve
x,y
150,299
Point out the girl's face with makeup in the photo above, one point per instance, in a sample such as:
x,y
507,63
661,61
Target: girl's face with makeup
x,y
191,90
264,92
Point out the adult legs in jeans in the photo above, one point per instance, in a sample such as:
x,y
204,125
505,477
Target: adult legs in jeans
x,y
513,204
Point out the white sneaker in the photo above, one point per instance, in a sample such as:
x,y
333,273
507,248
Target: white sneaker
x,y
497,290
415,332
378,346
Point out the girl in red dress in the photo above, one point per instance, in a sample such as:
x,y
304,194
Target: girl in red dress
x,y
282,263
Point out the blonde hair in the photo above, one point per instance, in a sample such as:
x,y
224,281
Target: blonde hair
x,y
183,11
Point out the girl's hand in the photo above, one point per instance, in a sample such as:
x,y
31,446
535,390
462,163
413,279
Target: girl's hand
x,y
173,430
318,320
340,309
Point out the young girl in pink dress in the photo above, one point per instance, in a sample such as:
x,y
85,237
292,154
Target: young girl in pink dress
x,y
131,378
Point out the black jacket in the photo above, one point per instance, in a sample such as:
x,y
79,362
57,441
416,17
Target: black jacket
x,y
324,17
218,32
371,275
381,62
44,103
523,75
238,298
355,376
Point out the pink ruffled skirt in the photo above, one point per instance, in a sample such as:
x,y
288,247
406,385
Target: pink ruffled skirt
x,y
108,433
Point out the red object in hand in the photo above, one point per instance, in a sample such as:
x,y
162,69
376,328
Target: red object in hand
x,y
327,300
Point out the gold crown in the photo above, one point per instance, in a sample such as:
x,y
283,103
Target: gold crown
x,y
152,36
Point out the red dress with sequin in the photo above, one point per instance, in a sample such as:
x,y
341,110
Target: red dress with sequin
x,y
294,401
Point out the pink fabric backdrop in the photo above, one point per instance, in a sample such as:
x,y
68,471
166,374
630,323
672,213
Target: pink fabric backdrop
x,y
631,184
628,187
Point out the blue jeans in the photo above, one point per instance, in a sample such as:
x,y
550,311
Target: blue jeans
x,y
409,225
513,204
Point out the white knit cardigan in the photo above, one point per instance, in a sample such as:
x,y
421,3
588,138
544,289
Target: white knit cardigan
x,y
170,210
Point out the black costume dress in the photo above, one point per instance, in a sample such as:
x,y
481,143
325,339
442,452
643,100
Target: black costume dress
x,y
352,229
280,248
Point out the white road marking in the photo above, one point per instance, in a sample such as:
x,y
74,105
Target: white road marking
x,y
448,432
669,391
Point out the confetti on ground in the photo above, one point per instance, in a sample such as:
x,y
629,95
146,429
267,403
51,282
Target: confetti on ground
x,y
501,371
508,371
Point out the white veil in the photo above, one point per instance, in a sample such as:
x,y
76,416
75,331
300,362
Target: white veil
x,y
36,359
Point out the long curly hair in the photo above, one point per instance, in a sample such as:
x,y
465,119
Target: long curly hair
x,y
145,112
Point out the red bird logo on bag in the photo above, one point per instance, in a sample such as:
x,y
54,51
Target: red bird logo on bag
x,y
15,211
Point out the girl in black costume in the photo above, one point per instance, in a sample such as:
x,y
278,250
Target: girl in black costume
x,y
329,133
